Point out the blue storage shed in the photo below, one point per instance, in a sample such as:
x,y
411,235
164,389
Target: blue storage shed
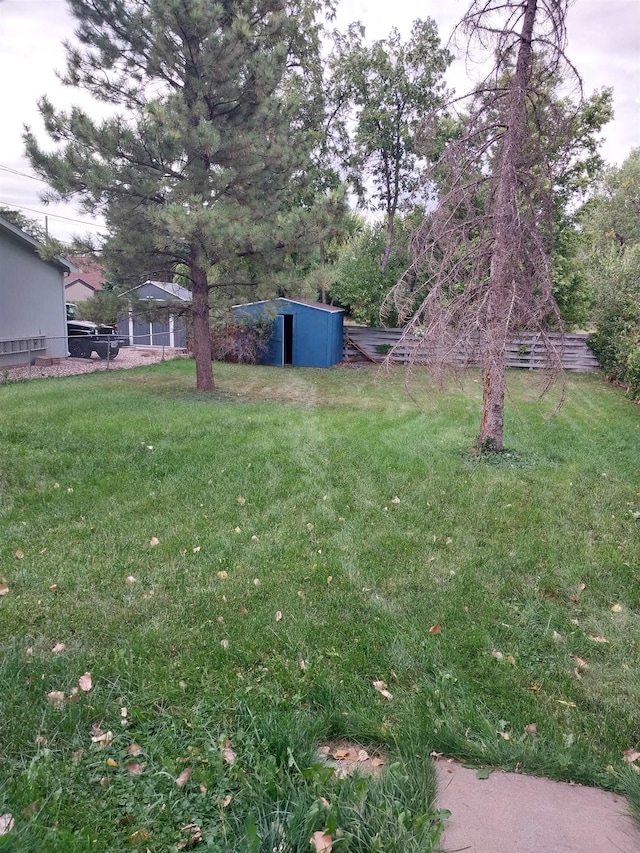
x,y
305,334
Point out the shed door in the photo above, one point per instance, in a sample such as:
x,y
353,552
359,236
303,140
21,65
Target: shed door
x,y
275,344
287,340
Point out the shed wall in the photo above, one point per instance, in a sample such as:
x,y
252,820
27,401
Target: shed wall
x,y
31,300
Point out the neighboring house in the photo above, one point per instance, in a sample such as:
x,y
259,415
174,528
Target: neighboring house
x,y
305,334
33,319
86,281
156,315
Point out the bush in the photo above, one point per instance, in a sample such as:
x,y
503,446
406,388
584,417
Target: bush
x,y
242,340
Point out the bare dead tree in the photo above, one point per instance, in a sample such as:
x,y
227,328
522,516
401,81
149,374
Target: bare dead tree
x,y
483,256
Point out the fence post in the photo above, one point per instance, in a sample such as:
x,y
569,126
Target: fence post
x,y
108,354
163,352
29,356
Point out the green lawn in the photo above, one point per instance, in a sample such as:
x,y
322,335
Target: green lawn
x,y
313,532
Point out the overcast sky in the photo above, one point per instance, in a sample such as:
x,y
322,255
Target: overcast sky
x,y
603,43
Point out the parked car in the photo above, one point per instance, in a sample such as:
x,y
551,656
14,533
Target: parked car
x,y
85,337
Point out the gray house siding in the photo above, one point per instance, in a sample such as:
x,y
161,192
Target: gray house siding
x,y
32,300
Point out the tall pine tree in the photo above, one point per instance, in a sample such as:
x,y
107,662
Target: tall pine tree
x,y
209,143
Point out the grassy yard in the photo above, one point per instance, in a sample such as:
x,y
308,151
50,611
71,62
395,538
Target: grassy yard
x,y
236,572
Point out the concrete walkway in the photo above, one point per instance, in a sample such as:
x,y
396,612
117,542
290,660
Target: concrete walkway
x,y
512,813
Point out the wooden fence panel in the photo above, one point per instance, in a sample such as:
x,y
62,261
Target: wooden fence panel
x,y
527,350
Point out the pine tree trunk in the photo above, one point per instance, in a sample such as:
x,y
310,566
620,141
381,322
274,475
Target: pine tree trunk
x,y
502,276
201,330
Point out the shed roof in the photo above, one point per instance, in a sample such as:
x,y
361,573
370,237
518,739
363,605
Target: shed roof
x,y
22,237
321,306
173,290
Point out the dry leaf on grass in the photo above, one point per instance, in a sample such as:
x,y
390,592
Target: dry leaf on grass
x,y
278,615
154,541
184,777
531,729
84,682
130,579
19,553
139,835
617,608
581,664
111,762
195,836
56,697
134,768
395,500
321,842
102,739
134,749
59,647
505,735
222,575
228,754
599,639
6,823
631,755
381,687
4,589
435,629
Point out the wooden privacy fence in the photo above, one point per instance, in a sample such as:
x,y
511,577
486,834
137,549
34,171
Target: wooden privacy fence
x,y
528,350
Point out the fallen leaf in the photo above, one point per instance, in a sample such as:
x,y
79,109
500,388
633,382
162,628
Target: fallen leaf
x,y
54,587
19,553
497,655
228,754
196,550
224,644
59,647
381,687
154,541
134,768
377,761
321,842
111,762
84,682
130,579
557,638
4,589
505,735
31,809
435,629
139,835
363,755
582,586
568,704
76,756
241,500
6,823
278,615
256,581
237,530
184,777
183,552
309,526
599,639
303,665
134,749
510,659
195,836
103,739
226,801
395,500
617,608
631,755
484,772
531,729
222,575
56,697
40,740
581,664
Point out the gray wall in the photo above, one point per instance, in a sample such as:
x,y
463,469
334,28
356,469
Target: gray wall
x,y
31,300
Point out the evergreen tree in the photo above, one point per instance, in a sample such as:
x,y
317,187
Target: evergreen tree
x,y
215,120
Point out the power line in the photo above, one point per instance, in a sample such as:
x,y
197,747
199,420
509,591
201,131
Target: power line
x,y
54,215
21,174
